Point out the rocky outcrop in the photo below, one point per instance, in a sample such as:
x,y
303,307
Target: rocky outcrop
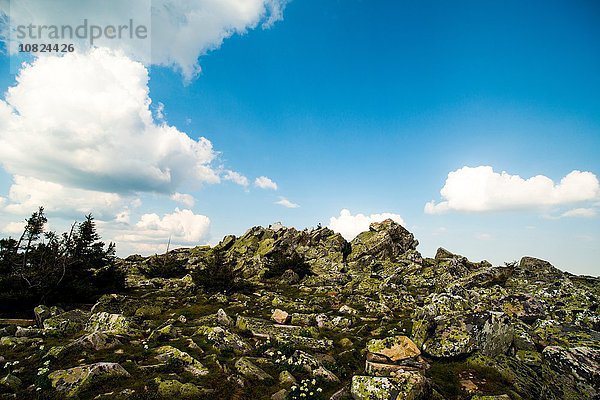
x,y
384,241
310,314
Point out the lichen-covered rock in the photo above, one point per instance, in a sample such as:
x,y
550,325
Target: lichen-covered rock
x,y
28,332
386,240
19,342
72,381
113,323
97,341
459,335
405,386
395,348
43,312
165,333
189,363
536,269
173,389
224,319
148,311
67,323
571,373
247,368
223,339
10,382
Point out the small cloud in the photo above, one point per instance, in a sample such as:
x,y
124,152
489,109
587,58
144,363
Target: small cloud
x,y
349,226
123,217
581,213
236,178
265,183
484,236
286,203
481,189
160,112
185,199
14,227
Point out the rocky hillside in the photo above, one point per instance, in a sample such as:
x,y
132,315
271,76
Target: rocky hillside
x,y
307,315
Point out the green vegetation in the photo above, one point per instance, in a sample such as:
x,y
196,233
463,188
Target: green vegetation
x,y
44,267
163,266
218,273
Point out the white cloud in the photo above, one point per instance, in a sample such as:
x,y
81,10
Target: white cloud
x,y
83,120
349,226
581,212
236,178
14,228
286,203
183,227
185,199
160,112
481,189
484,236
180,31
265,183
27,194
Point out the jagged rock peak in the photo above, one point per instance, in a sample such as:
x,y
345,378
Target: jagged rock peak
x,y
385,240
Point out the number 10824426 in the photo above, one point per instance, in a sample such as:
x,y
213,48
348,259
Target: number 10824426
x,y
46,48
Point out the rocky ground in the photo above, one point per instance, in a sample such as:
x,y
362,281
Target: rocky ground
x,y
372,319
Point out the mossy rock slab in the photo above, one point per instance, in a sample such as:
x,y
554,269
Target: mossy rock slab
x,y
72,381
405,386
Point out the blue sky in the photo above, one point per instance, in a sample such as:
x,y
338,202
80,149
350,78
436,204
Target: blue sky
x,y
369,105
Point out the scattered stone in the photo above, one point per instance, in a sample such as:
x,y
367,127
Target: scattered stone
x,y
395,348
345,309
224,319
280,316
287,379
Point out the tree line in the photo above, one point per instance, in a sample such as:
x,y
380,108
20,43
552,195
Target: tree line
x,y
43,267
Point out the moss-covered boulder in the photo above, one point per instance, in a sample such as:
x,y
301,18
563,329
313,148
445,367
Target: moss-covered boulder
x,y
405,386
10,383
223,339
461,334
72,381
113,323
171,354
67,323
249,370
43,312
173,389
